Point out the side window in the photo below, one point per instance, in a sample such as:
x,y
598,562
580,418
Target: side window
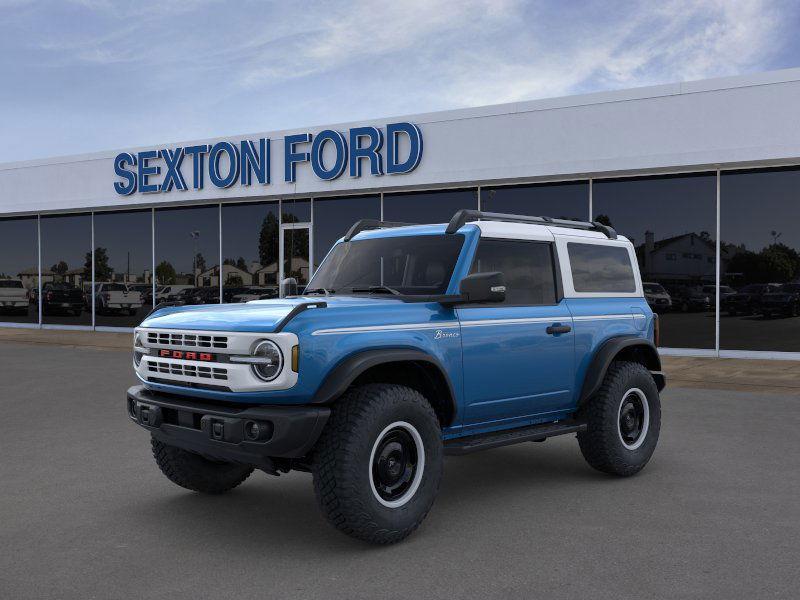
x,y
527,267
601,268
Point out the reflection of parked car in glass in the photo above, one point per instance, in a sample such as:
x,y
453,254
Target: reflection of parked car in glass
x,y
784,301
229,292
657,297
61,297
256,293
747,301
13,296
116,298
724,291
145,291
169,293
201,295
691,299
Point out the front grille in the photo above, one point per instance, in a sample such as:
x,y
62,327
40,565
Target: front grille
x,y
187,340
185,370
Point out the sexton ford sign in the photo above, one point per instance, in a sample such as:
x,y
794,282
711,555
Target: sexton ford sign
x,y
225,164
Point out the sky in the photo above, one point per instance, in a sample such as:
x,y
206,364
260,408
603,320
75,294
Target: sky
x,y
81,76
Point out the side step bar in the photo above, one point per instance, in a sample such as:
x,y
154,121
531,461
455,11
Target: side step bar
x,y
496,439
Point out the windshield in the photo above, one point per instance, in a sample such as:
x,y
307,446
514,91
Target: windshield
x,y
10,283
409,265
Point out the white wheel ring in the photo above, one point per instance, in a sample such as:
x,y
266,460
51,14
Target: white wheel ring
x,y
645,418
420,469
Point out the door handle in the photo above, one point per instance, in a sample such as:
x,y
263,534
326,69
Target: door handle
x,y
555,329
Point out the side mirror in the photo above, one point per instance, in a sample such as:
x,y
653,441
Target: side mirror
x,y
289,286
483,287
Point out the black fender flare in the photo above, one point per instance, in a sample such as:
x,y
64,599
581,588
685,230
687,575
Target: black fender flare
x,y
606,354
349,369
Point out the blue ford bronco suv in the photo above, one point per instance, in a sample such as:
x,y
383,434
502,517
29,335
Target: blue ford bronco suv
x,y
410,342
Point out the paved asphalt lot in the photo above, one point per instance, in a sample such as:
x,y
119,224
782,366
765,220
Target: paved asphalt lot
x,y
84,512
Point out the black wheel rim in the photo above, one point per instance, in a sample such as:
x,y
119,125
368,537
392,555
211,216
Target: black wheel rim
x,y
394,464
631,418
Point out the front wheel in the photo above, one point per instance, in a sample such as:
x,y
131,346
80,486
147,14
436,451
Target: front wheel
x,y
624,419
193,472
378,464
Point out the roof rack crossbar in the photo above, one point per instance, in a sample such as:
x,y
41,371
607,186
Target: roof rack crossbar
x,y
465,215
365,224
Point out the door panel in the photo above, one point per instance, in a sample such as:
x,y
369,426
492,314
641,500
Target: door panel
x,y
513,369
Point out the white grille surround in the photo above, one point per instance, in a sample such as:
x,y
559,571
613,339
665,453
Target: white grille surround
x,y
220,374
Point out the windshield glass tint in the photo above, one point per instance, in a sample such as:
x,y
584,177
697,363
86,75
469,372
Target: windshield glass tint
x,y
412,265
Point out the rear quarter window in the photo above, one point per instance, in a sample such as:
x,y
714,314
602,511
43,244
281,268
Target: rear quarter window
x,y
602,269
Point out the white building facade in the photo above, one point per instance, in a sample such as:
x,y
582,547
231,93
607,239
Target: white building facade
x,y
704,177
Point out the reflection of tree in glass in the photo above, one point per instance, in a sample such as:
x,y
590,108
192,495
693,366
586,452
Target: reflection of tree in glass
x,y
239,263
200,262
165,273
60,268
102,270
268,241
604,220
777,263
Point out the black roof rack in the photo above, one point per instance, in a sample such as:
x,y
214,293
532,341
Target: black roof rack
x,y
464,215
365,224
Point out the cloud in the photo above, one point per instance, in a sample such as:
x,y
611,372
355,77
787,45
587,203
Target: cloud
x,y
198,68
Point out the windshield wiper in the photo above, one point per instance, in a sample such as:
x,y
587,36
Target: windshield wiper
x,y
377,289
319,290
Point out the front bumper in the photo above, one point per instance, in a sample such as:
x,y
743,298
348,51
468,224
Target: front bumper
x,y
221,432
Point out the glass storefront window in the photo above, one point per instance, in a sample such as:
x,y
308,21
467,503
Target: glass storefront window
x,y
334,216
427,207
296,211
187,255
760,260
19,270
249,251
67,269
671,221
562,200
123,267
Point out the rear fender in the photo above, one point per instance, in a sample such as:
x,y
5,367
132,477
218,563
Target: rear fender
x,y
631,348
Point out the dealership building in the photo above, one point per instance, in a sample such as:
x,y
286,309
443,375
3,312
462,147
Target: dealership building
x,y
703,177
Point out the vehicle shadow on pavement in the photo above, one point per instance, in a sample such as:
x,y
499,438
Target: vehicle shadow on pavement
x,y
280,513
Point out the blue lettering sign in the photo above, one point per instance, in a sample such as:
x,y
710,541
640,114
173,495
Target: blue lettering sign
x,y
146,171
317,148
371,151
292,157
173,176
414,135
233,164
227,163
129,185
255,162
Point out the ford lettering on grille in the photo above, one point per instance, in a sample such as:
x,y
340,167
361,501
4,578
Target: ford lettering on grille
x,y
186,355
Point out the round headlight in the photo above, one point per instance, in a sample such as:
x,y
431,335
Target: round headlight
x,y
272,360
137,343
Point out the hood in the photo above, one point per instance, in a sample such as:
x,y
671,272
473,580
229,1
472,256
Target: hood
x,y
258,316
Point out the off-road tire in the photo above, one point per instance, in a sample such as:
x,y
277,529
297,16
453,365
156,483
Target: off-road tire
x,y
342,465
193,472
601,443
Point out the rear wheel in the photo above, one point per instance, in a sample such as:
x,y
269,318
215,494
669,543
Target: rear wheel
x,y
193,472
624,419
378,463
